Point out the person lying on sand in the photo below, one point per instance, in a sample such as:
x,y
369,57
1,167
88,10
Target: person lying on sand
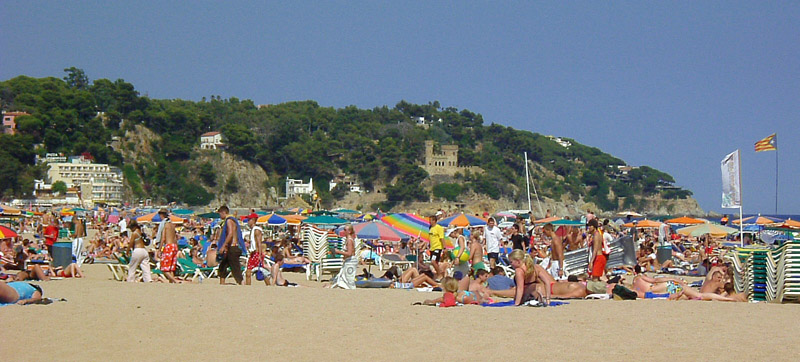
x,y
451,295
19,292
36,273
411,278
643,284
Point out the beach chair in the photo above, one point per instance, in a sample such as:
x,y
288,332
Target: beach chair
x,y
190,269
390,260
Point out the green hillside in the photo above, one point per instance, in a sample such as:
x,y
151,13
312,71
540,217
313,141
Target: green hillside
x,y
382,146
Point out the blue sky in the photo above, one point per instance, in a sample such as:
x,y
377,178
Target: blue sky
x,y
674,85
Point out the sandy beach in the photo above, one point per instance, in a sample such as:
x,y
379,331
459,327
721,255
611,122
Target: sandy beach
x,y
105,319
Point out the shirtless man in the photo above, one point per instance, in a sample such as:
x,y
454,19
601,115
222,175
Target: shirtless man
x,y
642,284
597,264
556,267
169,251
476,252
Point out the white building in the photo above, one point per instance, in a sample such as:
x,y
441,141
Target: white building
x,y
297,187
97,182
211,141
562,142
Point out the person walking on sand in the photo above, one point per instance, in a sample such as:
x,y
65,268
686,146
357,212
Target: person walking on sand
x,y
139,256
169,250
600,250
256,259
346,279
436,233
77,242
492,236
230,246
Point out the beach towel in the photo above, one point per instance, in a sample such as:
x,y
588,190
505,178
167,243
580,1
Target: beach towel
x,y
600,296
346,279
510,303
651,295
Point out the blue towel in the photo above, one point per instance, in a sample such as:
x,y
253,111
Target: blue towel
x,y
651,295
510,303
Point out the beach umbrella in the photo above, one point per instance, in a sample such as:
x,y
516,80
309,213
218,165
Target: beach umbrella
x,y
788,224
271,219
631,213
322,212
758,220
462,220
375,230
261,213
8,210
644,224
565,222
209,215
325,220
345,211
547,220
506,214
299,210
182,212
702,229
154,217
294,219
7,233
410,224
685,220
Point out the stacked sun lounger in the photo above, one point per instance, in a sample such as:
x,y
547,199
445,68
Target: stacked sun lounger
x,y
771,275
316,245
622,253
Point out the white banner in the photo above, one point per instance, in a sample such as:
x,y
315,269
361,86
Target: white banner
x,y
731,182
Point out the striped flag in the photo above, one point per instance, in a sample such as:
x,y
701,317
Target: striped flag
x,y
768,144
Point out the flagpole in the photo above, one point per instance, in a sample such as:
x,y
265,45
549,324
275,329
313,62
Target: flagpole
x,y
776,179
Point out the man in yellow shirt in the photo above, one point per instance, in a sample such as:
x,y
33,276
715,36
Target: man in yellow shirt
x,y
436,234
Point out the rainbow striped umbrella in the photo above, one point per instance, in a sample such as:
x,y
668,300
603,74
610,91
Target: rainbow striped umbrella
x,y
462,220
414,226
7,233
410,224
154,217
375,230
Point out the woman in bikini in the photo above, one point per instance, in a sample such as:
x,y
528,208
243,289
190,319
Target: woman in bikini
x,y
642,284
526,277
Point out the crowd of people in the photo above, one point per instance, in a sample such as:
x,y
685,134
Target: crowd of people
x,y
522,261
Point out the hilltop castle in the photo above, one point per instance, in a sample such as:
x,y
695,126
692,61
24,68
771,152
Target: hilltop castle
x,y
444,162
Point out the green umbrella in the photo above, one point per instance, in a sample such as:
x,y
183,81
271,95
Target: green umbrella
x,y
209,215
323,212
346,211
566,222
182,212
325,220
79,209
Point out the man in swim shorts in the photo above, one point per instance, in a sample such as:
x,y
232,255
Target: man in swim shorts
x,y
169,252
597,266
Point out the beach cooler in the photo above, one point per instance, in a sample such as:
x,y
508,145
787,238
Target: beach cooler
x,y
62,254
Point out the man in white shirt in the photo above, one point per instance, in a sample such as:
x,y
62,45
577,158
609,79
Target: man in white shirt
x,y
492,236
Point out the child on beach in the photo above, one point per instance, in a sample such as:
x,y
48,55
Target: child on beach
x,y
452,296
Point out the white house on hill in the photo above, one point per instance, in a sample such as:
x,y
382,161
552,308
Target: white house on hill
x,y
211,141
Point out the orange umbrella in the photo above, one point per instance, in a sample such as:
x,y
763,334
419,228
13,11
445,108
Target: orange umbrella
x,y
547,220
685,220
789,224
7,210
294,219
644,224
760,220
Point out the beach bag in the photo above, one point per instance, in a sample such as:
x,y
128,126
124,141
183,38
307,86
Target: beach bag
x,y
260,272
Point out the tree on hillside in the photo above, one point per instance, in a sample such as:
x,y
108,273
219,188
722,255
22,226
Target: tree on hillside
x,y
59,187
76,78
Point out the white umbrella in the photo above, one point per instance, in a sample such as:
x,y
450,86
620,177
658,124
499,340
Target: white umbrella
x,y
631,213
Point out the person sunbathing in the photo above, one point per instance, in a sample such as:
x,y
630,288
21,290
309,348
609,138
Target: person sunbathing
x,y
19,293
730,292
643,284
478,285
451,295
690,293
714,281
276,276
412,278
